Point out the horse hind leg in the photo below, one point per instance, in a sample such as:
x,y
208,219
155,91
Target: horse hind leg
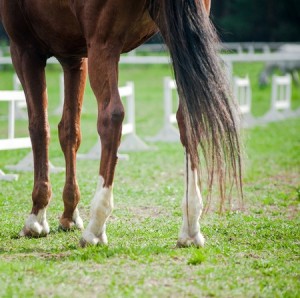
x,y
110,117
192,204
75,71
30,68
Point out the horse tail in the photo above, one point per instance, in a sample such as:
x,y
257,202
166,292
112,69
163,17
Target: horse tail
x,y
204,92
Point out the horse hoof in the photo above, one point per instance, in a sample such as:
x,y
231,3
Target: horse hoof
x,y
35,227
67,224
89,239
34,232
31,234
77,220
82,243
197,241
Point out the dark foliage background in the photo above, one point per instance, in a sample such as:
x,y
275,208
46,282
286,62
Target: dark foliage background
x,y
252,20
257,20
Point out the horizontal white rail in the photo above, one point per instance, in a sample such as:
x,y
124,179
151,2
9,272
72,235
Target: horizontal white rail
x,y
12,96
160,47
16,143
242,57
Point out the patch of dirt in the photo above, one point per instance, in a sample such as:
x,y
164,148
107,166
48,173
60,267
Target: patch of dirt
x,y
292,211
140,213
285,180
39,255
147,211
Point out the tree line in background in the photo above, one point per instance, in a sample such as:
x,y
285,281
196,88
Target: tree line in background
x,y
257,20
251,20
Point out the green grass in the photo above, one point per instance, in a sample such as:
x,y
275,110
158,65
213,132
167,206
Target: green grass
x,y
254,253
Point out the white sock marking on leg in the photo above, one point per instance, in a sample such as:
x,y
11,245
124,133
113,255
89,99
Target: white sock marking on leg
x,y
77,219
101,208
191,206
37,223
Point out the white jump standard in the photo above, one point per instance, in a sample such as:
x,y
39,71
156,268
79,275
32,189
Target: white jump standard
x,y
168,133
12,97
131,141
280,100
26,164
243,95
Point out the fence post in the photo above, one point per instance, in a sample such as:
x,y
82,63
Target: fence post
x,y
168,133
11,119
26,164
280,99
12,97
243,95
131,141
131,106
59,109
20,106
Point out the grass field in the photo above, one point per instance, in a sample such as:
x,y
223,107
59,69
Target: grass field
x,y
254,253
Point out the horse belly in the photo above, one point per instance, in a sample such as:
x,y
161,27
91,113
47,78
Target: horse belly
x,y
55,28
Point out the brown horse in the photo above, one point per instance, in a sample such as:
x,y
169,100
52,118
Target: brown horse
x,y
100,30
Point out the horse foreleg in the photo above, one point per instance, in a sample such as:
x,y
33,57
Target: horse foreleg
x,y
75,71
192,204
103,78
30,68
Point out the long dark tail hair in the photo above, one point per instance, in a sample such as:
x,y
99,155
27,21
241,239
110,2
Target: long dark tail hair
x,y
204,92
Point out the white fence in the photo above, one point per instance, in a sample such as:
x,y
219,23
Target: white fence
x,y
242,93
281,99
131,142
281,92
228,58
16,99
280,108
59,109
168,133
12,97
232,46
280,105
238,47
20,106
